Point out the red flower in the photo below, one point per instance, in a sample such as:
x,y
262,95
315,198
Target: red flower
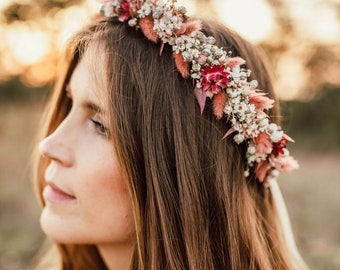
x,y
279,146
214,78
124,11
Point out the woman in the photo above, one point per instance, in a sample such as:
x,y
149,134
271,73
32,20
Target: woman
x,y
159,152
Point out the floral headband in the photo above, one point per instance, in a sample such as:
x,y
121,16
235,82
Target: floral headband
x,y
217,76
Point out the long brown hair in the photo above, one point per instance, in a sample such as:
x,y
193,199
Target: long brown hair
x,y
193,207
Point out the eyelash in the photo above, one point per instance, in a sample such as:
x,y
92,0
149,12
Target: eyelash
x,y
100,128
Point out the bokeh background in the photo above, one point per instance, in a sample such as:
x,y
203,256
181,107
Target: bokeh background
x,y
302,42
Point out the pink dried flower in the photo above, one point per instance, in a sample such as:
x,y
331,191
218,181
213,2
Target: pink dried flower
x,y
146,25
230,131
263,143
218,104
285,163
260,101
261,170
201,98
232,62
189,27
214,78
182,66
289,139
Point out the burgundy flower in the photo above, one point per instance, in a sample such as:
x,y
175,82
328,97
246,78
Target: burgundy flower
x,y
214,78
124,11
279,146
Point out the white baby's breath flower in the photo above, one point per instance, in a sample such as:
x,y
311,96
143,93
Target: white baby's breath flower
x,y
132,22
215,62
264,122
222,58
181,9
196,76
199,84
227,109
251,159
260,115
196,67
245,90
145,10
274,174
246,173
251,149
236,100
276,136
253,83
239,138
211,40
285,152
272,127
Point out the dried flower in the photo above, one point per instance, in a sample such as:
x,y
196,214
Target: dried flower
x,y
124,11
218,76
214,78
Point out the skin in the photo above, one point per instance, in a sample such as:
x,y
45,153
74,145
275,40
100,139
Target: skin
x,y
87,200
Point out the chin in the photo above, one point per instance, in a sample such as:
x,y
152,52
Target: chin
x,y
59,228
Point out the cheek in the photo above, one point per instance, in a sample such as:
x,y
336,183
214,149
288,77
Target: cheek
x,y
106,205
101,214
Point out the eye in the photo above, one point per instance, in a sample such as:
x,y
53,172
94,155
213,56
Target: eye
x,y
69,102
100,128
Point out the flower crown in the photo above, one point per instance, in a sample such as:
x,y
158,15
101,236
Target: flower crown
x,y
217,76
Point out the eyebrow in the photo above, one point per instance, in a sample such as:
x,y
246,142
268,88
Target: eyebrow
x,y
92,106
86,103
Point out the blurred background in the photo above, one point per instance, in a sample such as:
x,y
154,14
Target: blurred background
x,y
302,42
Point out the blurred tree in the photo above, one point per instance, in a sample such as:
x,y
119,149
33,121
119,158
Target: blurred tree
x,y
319,61
32,33
315,124
302,64
35,9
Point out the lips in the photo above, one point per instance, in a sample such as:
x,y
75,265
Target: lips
x,y
53,193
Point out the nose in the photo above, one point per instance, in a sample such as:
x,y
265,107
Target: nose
x,y
57,146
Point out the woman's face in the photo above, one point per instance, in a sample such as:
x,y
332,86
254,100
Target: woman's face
x,y
87,199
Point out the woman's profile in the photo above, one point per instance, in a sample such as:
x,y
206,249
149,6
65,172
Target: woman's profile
x,y
162,146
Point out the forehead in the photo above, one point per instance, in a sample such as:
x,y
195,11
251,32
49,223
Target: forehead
x,y
89,76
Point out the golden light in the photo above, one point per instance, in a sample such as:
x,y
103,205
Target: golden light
x,y
292,77
28,45
317,21
71,20
4,3
252,19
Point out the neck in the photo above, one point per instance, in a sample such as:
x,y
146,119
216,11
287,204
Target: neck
x,y
117,257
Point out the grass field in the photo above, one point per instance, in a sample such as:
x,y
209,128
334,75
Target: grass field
x,y
312,195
